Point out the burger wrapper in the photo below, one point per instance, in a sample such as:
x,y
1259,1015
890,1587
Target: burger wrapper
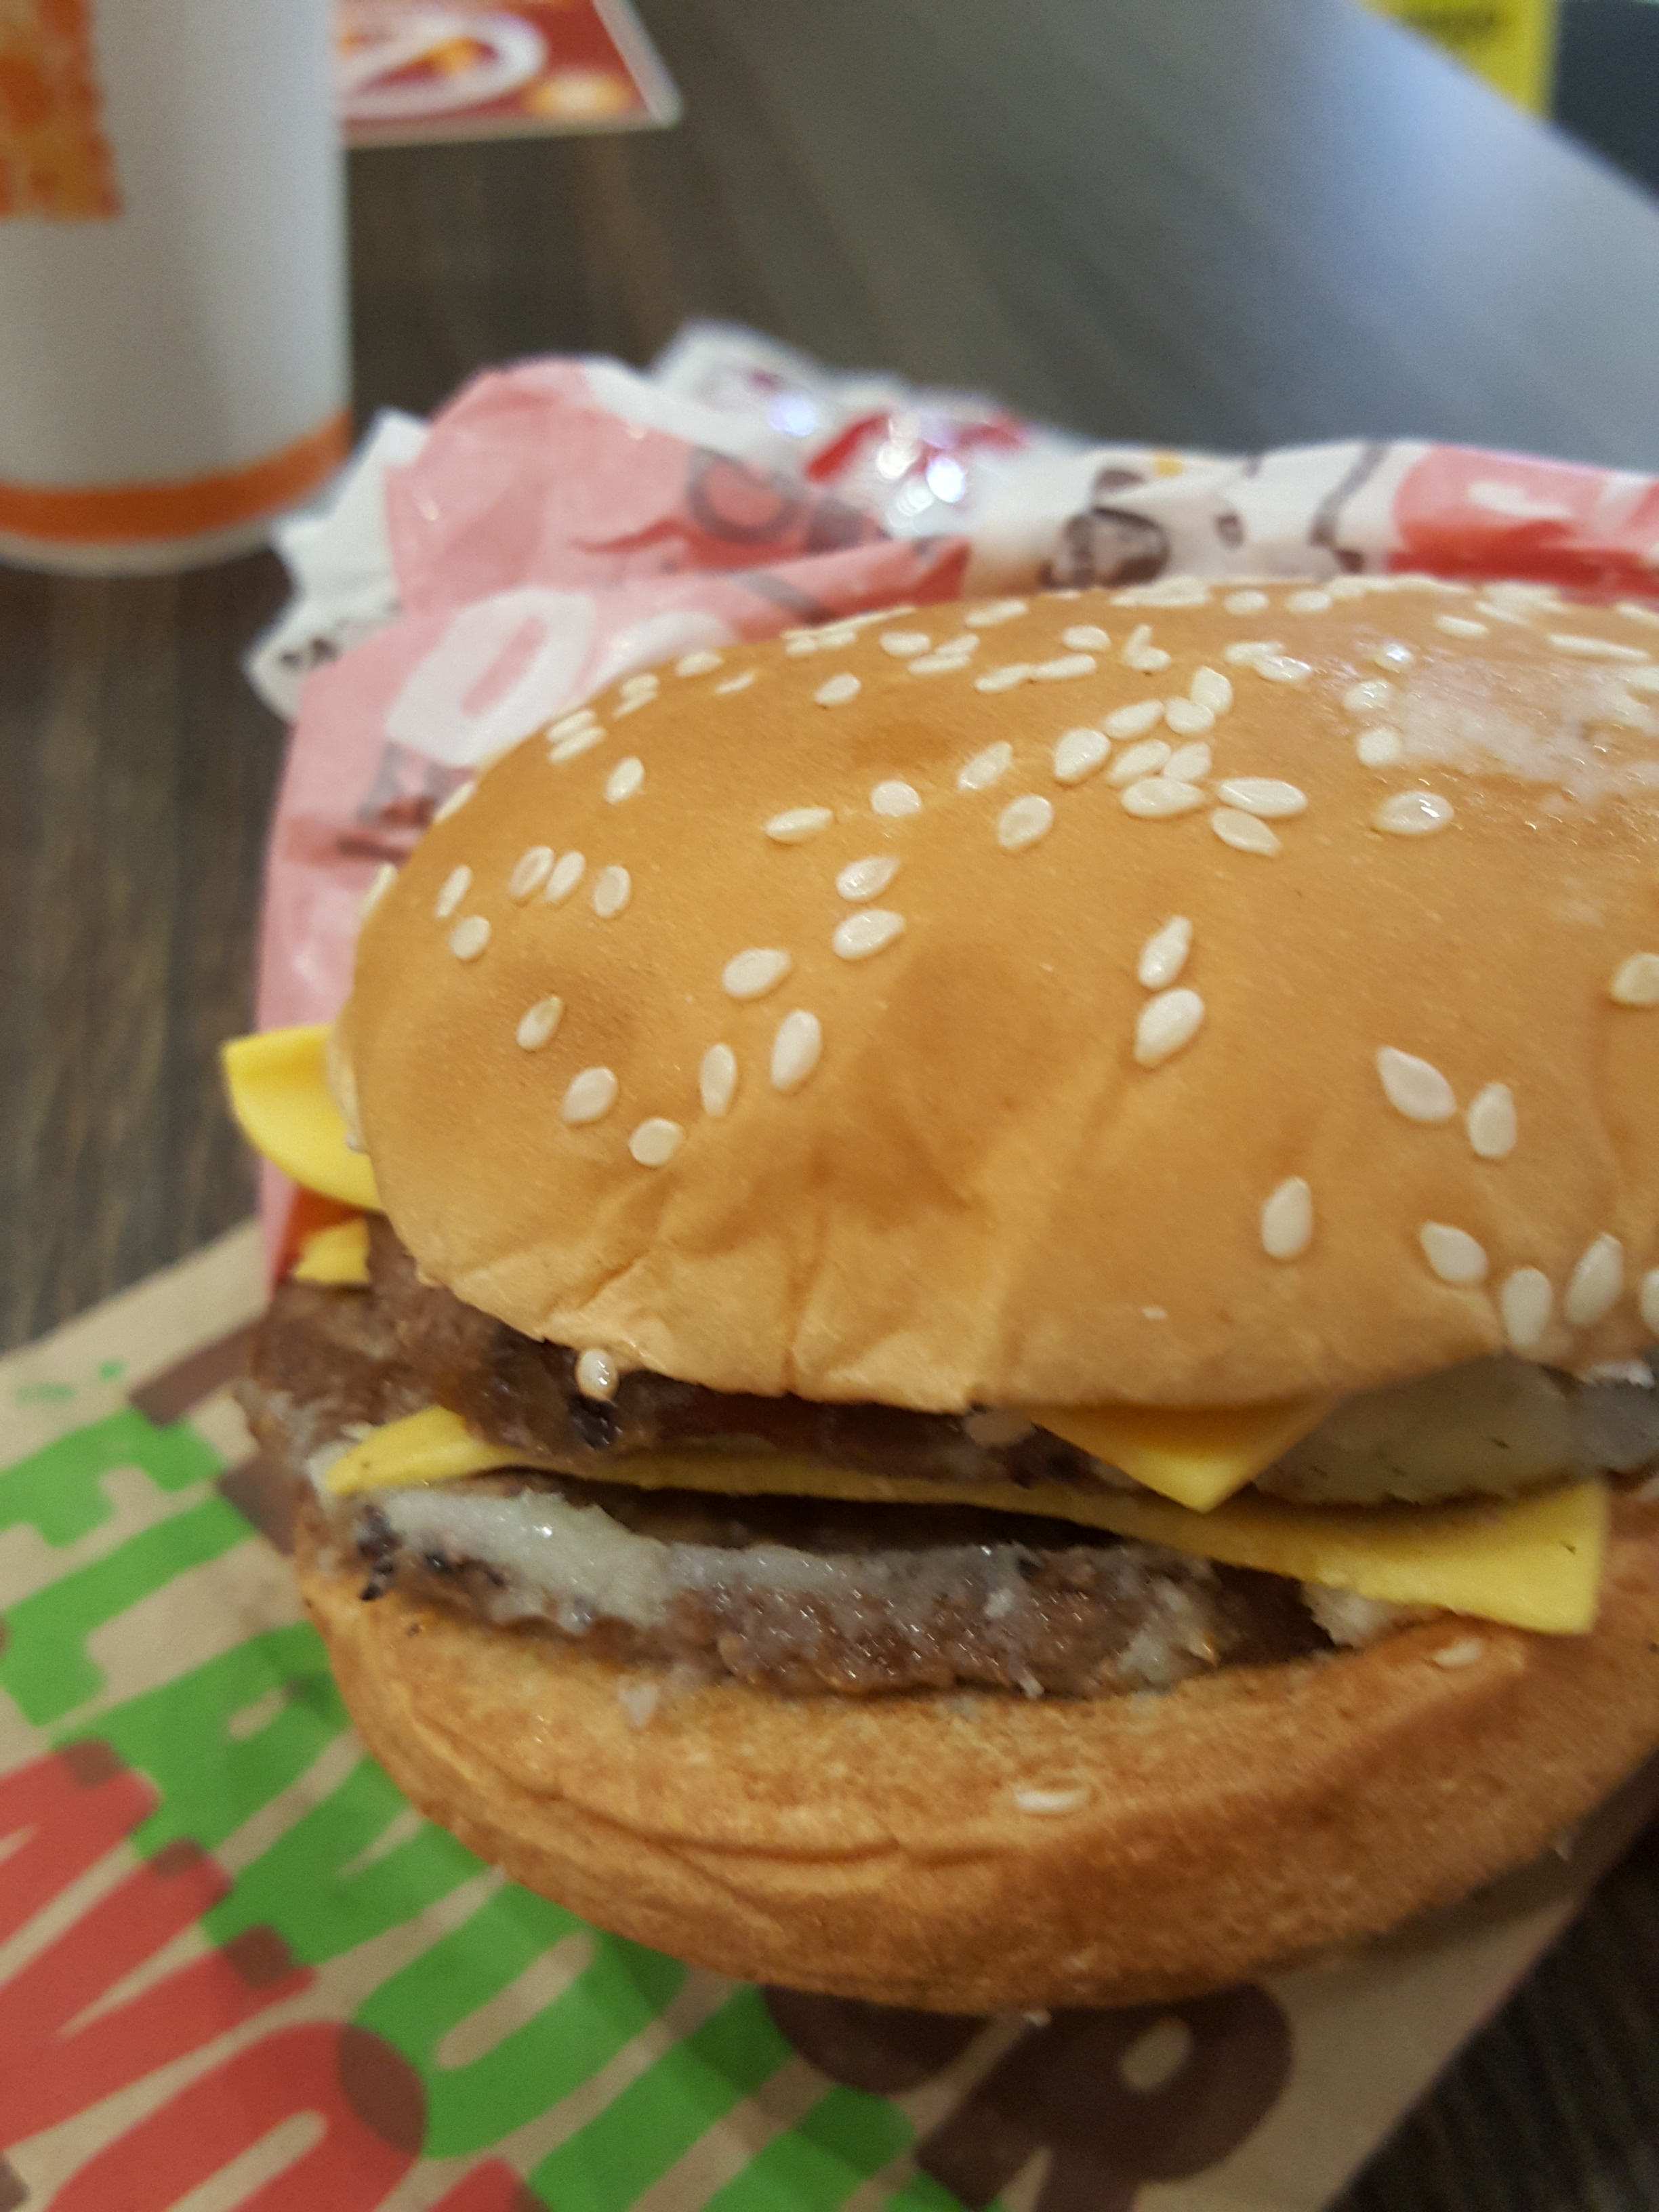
x,y
226,1948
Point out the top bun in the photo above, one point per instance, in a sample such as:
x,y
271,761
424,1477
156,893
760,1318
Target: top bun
x,y
938,936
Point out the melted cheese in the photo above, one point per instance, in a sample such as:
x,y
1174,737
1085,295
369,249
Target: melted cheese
x,y
1535,1562
280,1096
337,1254
433,1446
1198,1455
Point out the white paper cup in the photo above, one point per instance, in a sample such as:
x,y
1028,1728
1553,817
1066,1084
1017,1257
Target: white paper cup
x,y
172,322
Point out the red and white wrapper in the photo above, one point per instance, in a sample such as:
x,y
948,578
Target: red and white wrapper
x,y
563,523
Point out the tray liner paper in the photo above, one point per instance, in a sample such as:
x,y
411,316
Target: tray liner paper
x,y
227,1948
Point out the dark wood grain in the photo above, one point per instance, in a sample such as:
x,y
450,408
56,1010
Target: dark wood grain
x,y
1223,222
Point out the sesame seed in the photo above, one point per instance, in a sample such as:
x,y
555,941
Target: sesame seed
x,y
1249,650
1146,658
1078,754
578,743
1635,611
1460,626
456,885
1245,833
1394,655
1210,688
938,663
1186,718
996,611
385,876
537,1023
1453,1254
596,1375
1415,1087
1023,820
1246,603
699,664
866,932
656,1141
1061,671
797,823
1179,590
1266,796
1645,680
799,646
838,691
1594,1287
867,878
1086,637
1189,763
456,800
1004,679
1142,760
1527,1305
796,1049
568,725
1050,1800
1368,697
959,646
717,1080
1161,799
568,872
1135,719
624,780
1596,648
1636,980
1280,668
895,799
590,1096
904,644
1380,747
838,634
1494,612
1307,602
613,888
1167,1023
739,683
1349,587
1164,955
1413,814
752,974
646,685
1287,1220
468,936
530,871
987,768
1492,1123
1464,1653
1648,1300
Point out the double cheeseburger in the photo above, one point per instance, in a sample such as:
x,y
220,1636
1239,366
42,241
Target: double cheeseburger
x,y
996,1348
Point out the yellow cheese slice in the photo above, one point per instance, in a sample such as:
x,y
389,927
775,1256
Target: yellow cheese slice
x,y
1197,1454
337,1255
433,1446
280,1096
1534,1563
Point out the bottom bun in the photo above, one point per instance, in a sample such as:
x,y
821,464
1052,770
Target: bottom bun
x,y
979,1853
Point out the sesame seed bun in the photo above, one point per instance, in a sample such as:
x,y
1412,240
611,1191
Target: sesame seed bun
x,y
902,1034
1111,1850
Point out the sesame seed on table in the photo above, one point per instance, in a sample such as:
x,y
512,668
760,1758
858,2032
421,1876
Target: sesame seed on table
x,y
1356,239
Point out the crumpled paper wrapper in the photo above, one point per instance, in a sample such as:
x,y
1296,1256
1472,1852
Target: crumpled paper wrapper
x,y
227,1948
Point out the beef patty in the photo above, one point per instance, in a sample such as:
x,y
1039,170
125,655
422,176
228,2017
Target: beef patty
x,y
793,1595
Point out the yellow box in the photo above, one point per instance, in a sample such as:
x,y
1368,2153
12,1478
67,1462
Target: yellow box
x,y
1512,43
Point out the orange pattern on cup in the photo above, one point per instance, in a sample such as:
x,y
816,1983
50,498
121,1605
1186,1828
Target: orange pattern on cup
x,y
54,158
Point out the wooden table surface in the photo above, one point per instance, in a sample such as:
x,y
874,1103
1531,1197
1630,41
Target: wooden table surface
x,y
1216,222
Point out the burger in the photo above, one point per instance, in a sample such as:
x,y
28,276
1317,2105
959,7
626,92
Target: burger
x,y
984,1337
